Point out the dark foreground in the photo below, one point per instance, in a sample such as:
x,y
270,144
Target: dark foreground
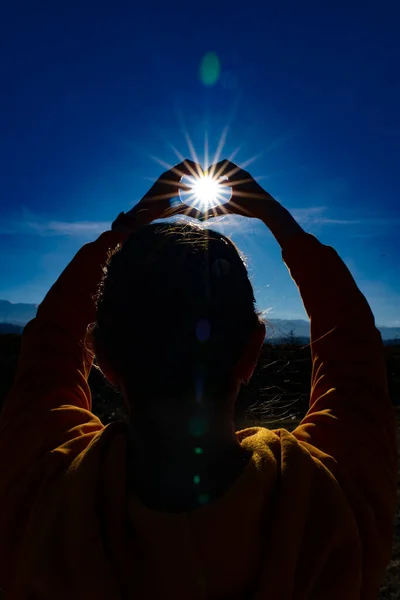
x,y
276,397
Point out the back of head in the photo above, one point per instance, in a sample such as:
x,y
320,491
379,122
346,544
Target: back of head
x,y
175,311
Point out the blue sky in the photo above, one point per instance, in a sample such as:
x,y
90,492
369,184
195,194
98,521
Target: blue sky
x,y
93,92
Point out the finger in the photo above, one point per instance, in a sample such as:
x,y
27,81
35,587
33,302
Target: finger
x,y
185,168
174,185
227,168
236,193
240,209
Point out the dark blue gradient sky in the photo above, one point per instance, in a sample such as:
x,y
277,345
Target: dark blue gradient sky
x,y
92,92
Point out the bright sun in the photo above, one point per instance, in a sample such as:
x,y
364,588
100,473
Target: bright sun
x,y
205,192
206,189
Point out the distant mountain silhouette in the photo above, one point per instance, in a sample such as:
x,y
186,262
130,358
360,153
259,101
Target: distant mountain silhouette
x,y
301,329
10,328
16,314
277,329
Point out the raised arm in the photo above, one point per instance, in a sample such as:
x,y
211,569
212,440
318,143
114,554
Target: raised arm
x,y
349,397
46,418
350,425
351,419
349,393
54,364
349,400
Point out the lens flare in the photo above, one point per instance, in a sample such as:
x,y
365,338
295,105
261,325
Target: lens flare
x,y
205,192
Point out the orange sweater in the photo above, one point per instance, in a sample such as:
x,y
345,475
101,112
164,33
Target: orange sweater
x,y
310,517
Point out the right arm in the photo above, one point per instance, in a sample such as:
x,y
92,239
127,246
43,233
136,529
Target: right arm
x,y
350,424
349,401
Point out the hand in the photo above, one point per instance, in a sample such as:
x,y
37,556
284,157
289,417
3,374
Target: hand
x,y
248,199
159,202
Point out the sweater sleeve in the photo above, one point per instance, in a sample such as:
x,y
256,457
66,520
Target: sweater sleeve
x,y
46,420
51,396
350,418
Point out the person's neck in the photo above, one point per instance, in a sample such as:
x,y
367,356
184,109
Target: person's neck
x,y
193,458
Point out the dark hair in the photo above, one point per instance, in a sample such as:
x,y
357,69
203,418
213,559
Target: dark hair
x,y
175,310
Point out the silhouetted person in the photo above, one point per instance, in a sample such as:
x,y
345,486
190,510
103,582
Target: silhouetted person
x,y
175,504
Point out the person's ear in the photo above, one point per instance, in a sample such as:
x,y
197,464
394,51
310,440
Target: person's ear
x,y
249,359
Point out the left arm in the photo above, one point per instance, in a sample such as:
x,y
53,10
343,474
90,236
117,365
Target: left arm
x,y
54,364
49,406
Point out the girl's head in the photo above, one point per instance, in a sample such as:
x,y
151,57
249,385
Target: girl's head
x,y
176,321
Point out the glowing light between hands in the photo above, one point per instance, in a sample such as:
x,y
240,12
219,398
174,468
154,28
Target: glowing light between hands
x,y
205,189
205,192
